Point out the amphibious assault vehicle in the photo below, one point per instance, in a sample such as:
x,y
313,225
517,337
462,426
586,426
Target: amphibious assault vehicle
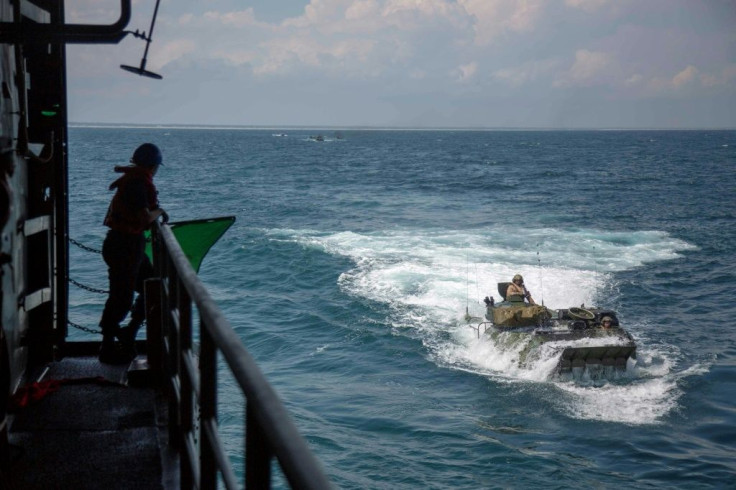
x,y
577,332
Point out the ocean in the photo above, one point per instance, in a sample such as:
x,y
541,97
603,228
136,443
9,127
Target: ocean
x,y
353,261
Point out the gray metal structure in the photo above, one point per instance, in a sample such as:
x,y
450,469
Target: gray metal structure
x,y
35,268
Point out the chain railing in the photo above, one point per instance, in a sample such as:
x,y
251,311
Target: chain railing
x,y
191,385
83,246
85,287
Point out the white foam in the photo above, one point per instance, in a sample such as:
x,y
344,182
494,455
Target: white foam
x,y
429,278
635,403
320,349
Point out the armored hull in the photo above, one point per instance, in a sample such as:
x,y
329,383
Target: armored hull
x,y
577,333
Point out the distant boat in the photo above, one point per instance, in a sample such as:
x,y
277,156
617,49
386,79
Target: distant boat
x,y
319,137
280,135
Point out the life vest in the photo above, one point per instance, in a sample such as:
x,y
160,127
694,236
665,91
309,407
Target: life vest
x,y
126,213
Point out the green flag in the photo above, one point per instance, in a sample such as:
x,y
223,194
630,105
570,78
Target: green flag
x,y
195,237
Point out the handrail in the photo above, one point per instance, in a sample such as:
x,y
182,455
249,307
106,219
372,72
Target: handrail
x,y
485,326
269,430
17,32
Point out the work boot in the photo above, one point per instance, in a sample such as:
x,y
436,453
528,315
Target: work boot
x,y
126,335
110,351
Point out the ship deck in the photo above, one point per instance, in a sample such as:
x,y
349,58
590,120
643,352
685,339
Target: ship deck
x,y
99,426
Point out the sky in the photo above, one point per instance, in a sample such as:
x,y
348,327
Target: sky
x,y
564,64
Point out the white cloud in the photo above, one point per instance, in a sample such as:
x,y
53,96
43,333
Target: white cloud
x,y
495,17
319,12
185,19
352,36
590,68
685,77
357,36
634,80
171,51
348,56
726,77
486,18
362,9
691,79
404,49
240,19
235,58
426,8
587,5
423,15
467,71
527,72
306,51
93,12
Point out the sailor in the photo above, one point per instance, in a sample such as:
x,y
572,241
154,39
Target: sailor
x,y
132,210
606,322
517,292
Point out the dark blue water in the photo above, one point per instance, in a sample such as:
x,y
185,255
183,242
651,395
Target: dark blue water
x,y
353,261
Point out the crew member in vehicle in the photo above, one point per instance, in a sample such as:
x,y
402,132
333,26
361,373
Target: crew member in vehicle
x,y
132,210
606,322
517,292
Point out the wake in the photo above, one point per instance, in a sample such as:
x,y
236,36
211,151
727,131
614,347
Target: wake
x,y
429,279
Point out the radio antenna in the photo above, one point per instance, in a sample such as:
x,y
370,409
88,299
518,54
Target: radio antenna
x,y
541,284
141,70
467,287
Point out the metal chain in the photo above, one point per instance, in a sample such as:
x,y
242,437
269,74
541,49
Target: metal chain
x,y
84,247
84,329
79,285
92,330
94,290
88,288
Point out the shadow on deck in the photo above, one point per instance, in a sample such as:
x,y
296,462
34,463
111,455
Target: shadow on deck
x,y
101,428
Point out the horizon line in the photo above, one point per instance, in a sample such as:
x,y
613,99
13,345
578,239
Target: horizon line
x,y
382,128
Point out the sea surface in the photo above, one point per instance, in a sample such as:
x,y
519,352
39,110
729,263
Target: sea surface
x,y
353,261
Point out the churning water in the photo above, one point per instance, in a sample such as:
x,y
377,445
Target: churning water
x,y
354,260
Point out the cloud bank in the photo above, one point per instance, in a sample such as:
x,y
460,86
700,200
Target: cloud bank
x,y
395,62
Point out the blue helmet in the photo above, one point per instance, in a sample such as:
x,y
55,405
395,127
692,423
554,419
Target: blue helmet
x,y
147,155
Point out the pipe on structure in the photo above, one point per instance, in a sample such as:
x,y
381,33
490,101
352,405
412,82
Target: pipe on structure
x,y
27,31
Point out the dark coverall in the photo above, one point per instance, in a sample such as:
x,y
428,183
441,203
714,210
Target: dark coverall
x,y
123,249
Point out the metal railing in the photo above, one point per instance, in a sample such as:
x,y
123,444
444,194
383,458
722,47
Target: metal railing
x,y
191,384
